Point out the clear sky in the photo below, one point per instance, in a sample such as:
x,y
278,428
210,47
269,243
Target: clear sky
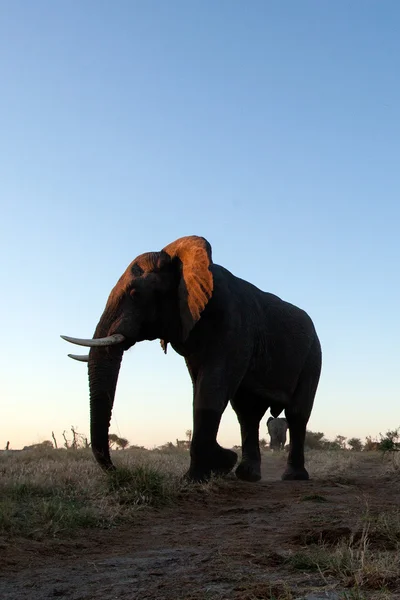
x,y
271,128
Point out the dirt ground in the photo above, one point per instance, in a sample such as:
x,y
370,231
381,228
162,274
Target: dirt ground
x,y
232,544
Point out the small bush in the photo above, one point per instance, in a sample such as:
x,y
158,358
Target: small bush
x,y
390,441
314,440
355,444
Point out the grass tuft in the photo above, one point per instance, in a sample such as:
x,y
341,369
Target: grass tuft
x,y
314,498
142,485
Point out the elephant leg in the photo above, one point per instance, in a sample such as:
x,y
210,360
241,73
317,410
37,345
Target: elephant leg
x,y
206,455
298,413
249,411
295,464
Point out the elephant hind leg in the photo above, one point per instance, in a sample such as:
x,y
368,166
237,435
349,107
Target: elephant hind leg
x,y
249,411
298,413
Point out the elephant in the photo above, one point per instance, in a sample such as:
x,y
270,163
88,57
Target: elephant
x,y
240,344
277,429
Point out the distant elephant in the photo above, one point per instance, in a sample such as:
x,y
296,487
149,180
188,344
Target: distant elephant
x,y
277,429
240,344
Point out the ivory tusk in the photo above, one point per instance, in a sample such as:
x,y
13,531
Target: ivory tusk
x,y
111,340
80,357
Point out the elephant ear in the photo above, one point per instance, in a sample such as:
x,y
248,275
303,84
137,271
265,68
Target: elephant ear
x,y
193,254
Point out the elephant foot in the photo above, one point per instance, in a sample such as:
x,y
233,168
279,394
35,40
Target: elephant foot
x,y
249,471
197,475
221,463
295,474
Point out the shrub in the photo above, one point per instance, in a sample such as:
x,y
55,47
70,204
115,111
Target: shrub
x,y
390,441
355,444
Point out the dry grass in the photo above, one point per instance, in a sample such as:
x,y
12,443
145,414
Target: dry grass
x,y
391,463
330,464
249,591
47,494
341,465
353,564
384,529
55,492
367,559
52,493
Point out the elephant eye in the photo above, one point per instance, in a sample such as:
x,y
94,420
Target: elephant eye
x,y
133,292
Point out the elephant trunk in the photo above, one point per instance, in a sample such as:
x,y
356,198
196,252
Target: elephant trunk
x,y
104,365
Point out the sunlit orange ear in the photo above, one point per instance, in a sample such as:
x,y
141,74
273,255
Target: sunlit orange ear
x,y
196,285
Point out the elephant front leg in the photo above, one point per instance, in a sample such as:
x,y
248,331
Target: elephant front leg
x,y
207,457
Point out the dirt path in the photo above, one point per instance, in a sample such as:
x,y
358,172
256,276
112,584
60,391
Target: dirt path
x,y
231,544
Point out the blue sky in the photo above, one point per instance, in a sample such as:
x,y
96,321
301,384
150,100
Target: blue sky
x,y
270,128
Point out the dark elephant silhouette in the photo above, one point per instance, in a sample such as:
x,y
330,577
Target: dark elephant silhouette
x,y
240,344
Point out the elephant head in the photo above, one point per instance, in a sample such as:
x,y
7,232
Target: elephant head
x,y
160,295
